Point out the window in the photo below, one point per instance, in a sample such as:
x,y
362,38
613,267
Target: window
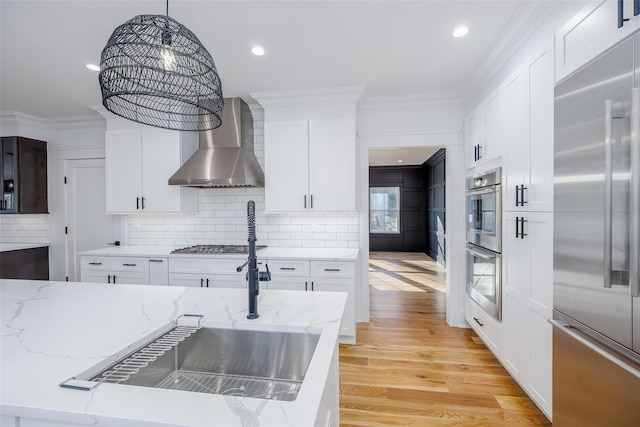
x,y
384,210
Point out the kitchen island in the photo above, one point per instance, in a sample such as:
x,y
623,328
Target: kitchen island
x,y
53,331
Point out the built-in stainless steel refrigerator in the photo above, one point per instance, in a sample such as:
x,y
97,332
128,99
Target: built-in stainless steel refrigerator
x,y
596,318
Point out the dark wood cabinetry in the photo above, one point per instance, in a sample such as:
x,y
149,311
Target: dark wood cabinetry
x,y
23,171
28,264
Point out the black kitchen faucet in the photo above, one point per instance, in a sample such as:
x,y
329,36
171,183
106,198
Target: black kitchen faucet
x,y
254,276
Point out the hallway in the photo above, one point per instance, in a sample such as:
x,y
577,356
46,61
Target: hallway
x,y
410,368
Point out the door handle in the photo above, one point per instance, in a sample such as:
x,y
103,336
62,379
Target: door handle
x,y
116,243
109,278
95,263
156,260
479,147
331,269
202,283
522,233
129,265
621,18
305,201
478,322
114,278
608,187
288,268
634,213
207,283
142,202
137,202
312,201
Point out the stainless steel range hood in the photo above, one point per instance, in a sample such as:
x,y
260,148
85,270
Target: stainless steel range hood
x,y
225,157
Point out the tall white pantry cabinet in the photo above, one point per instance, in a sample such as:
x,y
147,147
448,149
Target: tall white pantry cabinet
x,y
522,341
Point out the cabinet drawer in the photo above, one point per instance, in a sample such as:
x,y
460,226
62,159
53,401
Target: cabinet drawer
x,y
286,267
188,265
487,328
96,263
225,266
131,264
333,269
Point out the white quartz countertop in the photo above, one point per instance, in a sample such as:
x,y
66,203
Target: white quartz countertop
x,y
52,331
6,247
320,254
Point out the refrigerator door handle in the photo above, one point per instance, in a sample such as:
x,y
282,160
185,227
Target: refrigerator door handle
x,y
608,191
575,334
634,212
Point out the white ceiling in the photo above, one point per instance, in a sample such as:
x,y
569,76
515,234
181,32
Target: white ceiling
x,y
394,48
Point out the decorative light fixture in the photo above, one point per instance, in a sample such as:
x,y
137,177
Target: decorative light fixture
x,y
155,71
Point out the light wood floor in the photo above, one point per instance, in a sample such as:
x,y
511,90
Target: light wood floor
x,y
409,368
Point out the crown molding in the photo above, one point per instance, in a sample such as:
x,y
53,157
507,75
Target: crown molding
x,y
71,122
411,102
309,97
408,132
529,17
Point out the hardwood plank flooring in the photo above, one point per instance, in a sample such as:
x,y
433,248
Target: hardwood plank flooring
x,y
409,368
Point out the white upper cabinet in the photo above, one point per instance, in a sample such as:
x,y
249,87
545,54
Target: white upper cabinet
x,y
310,166
484,131
139,163
592,31
528,164
286,161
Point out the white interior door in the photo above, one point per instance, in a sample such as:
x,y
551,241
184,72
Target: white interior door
x,y
88,227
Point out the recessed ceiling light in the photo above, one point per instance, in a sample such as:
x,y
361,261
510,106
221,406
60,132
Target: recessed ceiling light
x,y
400,161
257,51
460,31
93,67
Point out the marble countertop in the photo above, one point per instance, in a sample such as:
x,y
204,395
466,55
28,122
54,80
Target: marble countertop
x,y
6,247
52,331
319,254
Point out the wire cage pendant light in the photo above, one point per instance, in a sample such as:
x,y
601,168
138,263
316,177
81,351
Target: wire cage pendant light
x,y
155,71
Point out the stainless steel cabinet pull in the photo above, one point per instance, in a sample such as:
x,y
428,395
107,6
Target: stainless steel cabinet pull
x,y
156,260
331,269
95,263
634,213
288,268
129,265
478,322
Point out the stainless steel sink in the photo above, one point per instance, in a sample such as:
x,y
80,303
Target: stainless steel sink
x,y
249,363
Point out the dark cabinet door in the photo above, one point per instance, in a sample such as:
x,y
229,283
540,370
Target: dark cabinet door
x,y
24,176
27,264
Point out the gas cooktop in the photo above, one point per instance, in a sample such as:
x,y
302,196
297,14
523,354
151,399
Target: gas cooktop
x,y
215,249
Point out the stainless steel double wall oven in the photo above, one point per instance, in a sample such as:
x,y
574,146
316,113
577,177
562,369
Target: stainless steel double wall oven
x,y
484,240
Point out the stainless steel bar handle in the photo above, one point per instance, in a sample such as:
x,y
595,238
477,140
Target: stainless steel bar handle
x,y
575,334
471,249
608,190
634,199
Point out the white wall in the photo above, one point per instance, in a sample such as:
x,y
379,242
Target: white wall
x,y
417,121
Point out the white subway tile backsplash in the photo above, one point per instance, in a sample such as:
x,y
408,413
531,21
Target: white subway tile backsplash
x,y
24,229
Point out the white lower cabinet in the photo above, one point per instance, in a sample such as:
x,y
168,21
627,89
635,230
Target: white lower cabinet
x,y
320,276
528,302
117,270
159,271
487,328
206,273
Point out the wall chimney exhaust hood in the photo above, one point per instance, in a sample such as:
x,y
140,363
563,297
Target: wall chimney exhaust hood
x,y
225,157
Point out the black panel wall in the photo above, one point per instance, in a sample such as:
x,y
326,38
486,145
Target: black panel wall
x,y
411,180
435,189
